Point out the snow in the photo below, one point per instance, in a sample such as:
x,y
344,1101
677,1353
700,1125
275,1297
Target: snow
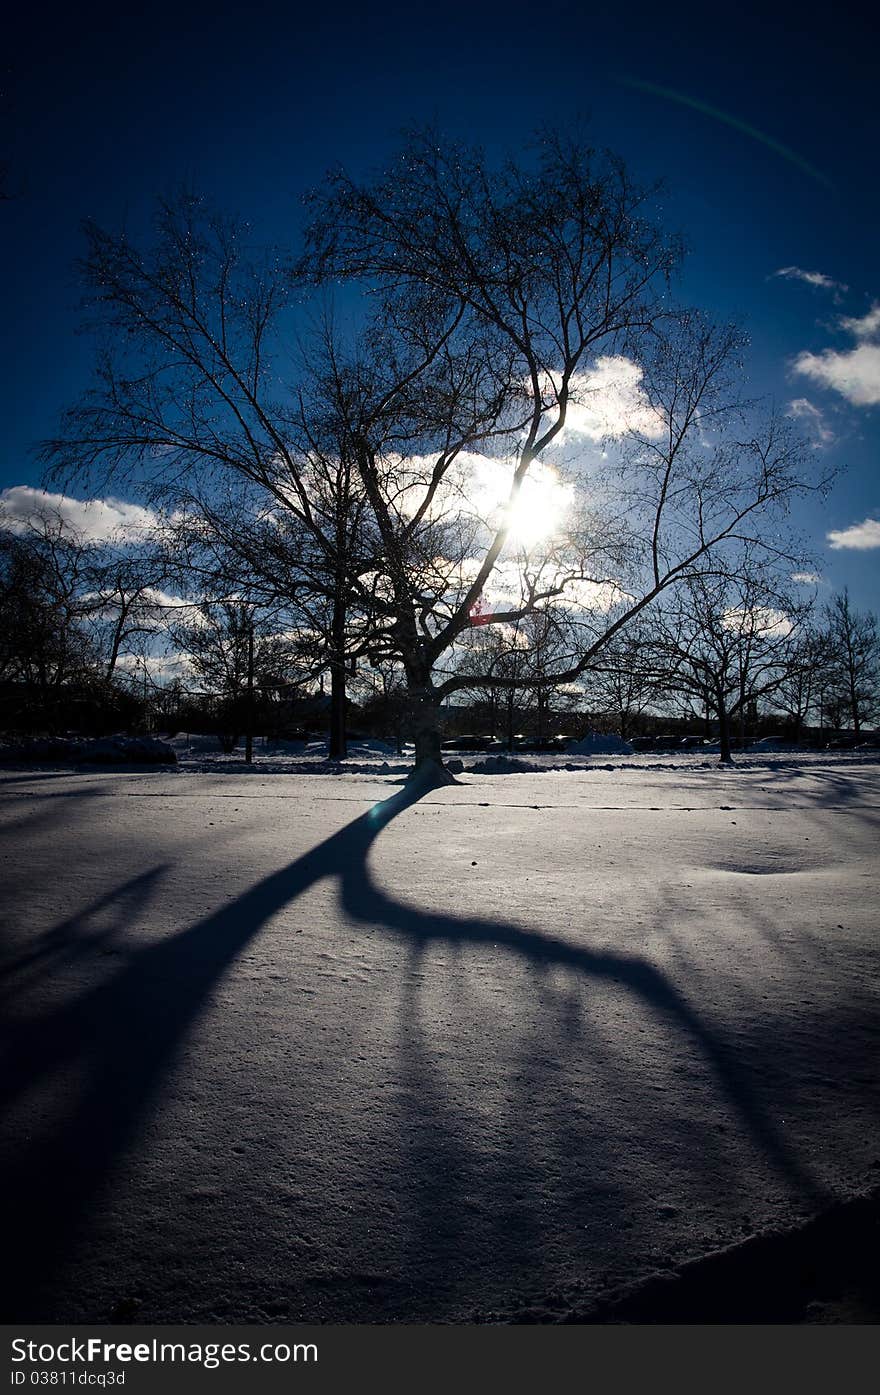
x,y
276,1052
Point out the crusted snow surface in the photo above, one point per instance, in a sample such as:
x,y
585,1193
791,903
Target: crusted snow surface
x,y
277,1051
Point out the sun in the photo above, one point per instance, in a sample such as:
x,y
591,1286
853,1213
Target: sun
x,y
539,510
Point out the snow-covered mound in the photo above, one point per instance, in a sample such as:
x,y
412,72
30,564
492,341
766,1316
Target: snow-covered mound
x,y
185,742
196,743
596,745
503,765
107,750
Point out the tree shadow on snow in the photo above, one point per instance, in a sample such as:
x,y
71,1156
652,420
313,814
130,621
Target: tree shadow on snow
x,y
119,1040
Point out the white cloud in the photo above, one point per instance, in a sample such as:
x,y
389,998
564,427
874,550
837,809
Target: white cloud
x,y
864,326
811,278
504,591
161,668
93,520
805,411
806,578
762,621
859,536
609,400
165,600
854,373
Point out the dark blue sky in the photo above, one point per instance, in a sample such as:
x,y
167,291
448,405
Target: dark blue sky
x,y
105,109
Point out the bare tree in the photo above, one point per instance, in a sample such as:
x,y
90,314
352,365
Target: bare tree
x,y
492,296
853,649
510,280
73,608
189,397
122,607
546,268
726,640
494,663
45,650
622,682
234,653
807,677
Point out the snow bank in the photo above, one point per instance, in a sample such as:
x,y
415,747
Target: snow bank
x,y
107,750
503,765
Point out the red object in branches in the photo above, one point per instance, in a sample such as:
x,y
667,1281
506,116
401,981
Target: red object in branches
x,y
479,613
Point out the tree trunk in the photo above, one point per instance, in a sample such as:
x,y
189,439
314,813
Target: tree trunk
x,y
854,704
429,768
726,756
249,699
338,740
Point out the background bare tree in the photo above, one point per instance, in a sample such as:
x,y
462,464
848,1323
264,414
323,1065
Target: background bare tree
x,y
724,641
236,656
808,673
852,651
73,609
622,683
189,401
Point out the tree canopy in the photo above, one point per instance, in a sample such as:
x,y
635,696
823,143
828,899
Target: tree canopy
x,y
499,324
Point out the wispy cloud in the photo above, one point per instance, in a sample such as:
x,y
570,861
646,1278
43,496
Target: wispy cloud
x,y
864,326
150,600
811,278
860,536
806,578
813,418
93,520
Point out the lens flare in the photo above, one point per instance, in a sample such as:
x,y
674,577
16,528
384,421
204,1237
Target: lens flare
x,y
733,121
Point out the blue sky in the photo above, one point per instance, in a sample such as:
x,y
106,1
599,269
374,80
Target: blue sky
x,y
103,110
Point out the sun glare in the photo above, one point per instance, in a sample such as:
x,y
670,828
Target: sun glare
x,y
539,512
540,509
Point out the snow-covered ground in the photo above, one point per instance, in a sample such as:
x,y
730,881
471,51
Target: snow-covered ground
x,y
276,1052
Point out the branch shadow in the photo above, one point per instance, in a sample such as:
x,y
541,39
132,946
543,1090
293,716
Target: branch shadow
x,y
125,1033
73,937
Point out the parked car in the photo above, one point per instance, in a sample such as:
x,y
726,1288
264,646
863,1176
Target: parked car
x,y
467,743
666,742
547,744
